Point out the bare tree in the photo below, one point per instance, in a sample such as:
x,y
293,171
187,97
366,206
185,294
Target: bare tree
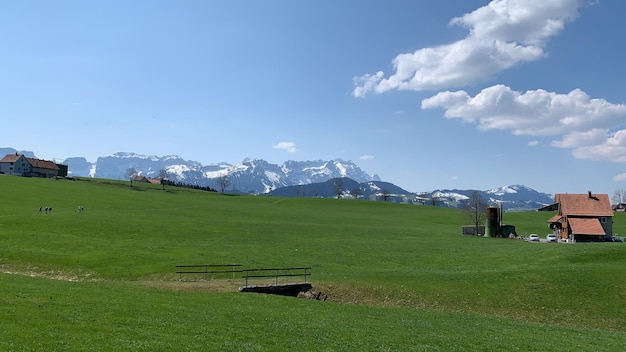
x,y
356,192
223,182
338,187
619,197
386,195
131,173
475,210
434,199
299,191
163,177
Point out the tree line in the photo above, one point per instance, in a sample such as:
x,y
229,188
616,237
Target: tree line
x,y
163,177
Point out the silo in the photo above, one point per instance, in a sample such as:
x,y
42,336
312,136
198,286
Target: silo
x,y
491,227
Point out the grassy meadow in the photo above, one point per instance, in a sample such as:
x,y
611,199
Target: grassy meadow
x,y
398,277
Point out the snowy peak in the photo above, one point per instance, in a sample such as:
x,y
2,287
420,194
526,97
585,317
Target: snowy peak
x,y
257,176
385,191
500,191
250,176
512,197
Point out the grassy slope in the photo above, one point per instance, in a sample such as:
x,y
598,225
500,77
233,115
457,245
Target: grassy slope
x,y
388,257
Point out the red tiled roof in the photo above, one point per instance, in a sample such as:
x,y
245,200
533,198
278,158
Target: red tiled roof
x,y
155,181
586,227
555,218
10,158
42,164
584,204
140,178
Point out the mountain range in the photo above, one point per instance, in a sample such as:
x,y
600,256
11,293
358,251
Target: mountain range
x,y
512,198
254,176
291,179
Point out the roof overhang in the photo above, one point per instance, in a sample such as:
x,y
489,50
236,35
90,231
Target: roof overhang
x,y
555,218
590,227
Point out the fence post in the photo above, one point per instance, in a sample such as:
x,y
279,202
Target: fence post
x,y
305,275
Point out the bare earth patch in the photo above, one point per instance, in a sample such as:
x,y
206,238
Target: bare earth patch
x,y
52,274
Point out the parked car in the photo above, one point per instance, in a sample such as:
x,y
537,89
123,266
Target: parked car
x,y
533,237
551,237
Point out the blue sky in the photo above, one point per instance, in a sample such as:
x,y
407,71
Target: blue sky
x,y
426,94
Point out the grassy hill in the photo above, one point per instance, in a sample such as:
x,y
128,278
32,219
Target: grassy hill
x,y
398,277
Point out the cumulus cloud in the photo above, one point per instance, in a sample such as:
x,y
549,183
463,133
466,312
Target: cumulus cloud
x,y
592,128
288,146
608,146
619,178
533,143
501,35
366,157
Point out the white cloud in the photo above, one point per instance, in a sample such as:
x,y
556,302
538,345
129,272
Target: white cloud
x,y
366,157
501,35
581,139
288,146
533,143
534,113
590,127
609,146
619,178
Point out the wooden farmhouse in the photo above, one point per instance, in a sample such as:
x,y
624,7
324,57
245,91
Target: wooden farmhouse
x,y
154,181
18,164
141,179
619,207
582,217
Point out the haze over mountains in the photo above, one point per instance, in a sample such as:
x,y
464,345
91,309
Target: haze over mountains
x,y
291,179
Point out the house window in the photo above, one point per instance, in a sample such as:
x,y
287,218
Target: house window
x,y
602,220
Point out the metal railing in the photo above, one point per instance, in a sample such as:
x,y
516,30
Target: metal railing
x,y
196,269
277,273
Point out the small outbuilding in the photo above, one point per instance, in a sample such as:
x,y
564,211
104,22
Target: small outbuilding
x,y
141,179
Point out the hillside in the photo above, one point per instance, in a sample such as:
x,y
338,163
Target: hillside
x,y
400,267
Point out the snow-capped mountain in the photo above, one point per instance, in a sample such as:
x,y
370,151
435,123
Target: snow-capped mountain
x,y
348,188
292,178
250,176
513,197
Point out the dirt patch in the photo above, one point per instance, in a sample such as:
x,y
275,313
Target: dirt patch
x,y
52,275
324,292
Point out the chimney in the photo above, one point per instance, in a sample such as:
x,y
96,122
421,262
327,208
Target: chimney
x,y
589,192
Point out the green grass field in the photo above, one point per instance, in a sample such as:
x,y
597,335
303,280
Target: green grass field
x,y
398,277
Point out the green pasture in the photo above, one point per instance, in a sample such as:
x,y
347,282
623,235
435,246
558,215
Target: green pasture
x,y
398,277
